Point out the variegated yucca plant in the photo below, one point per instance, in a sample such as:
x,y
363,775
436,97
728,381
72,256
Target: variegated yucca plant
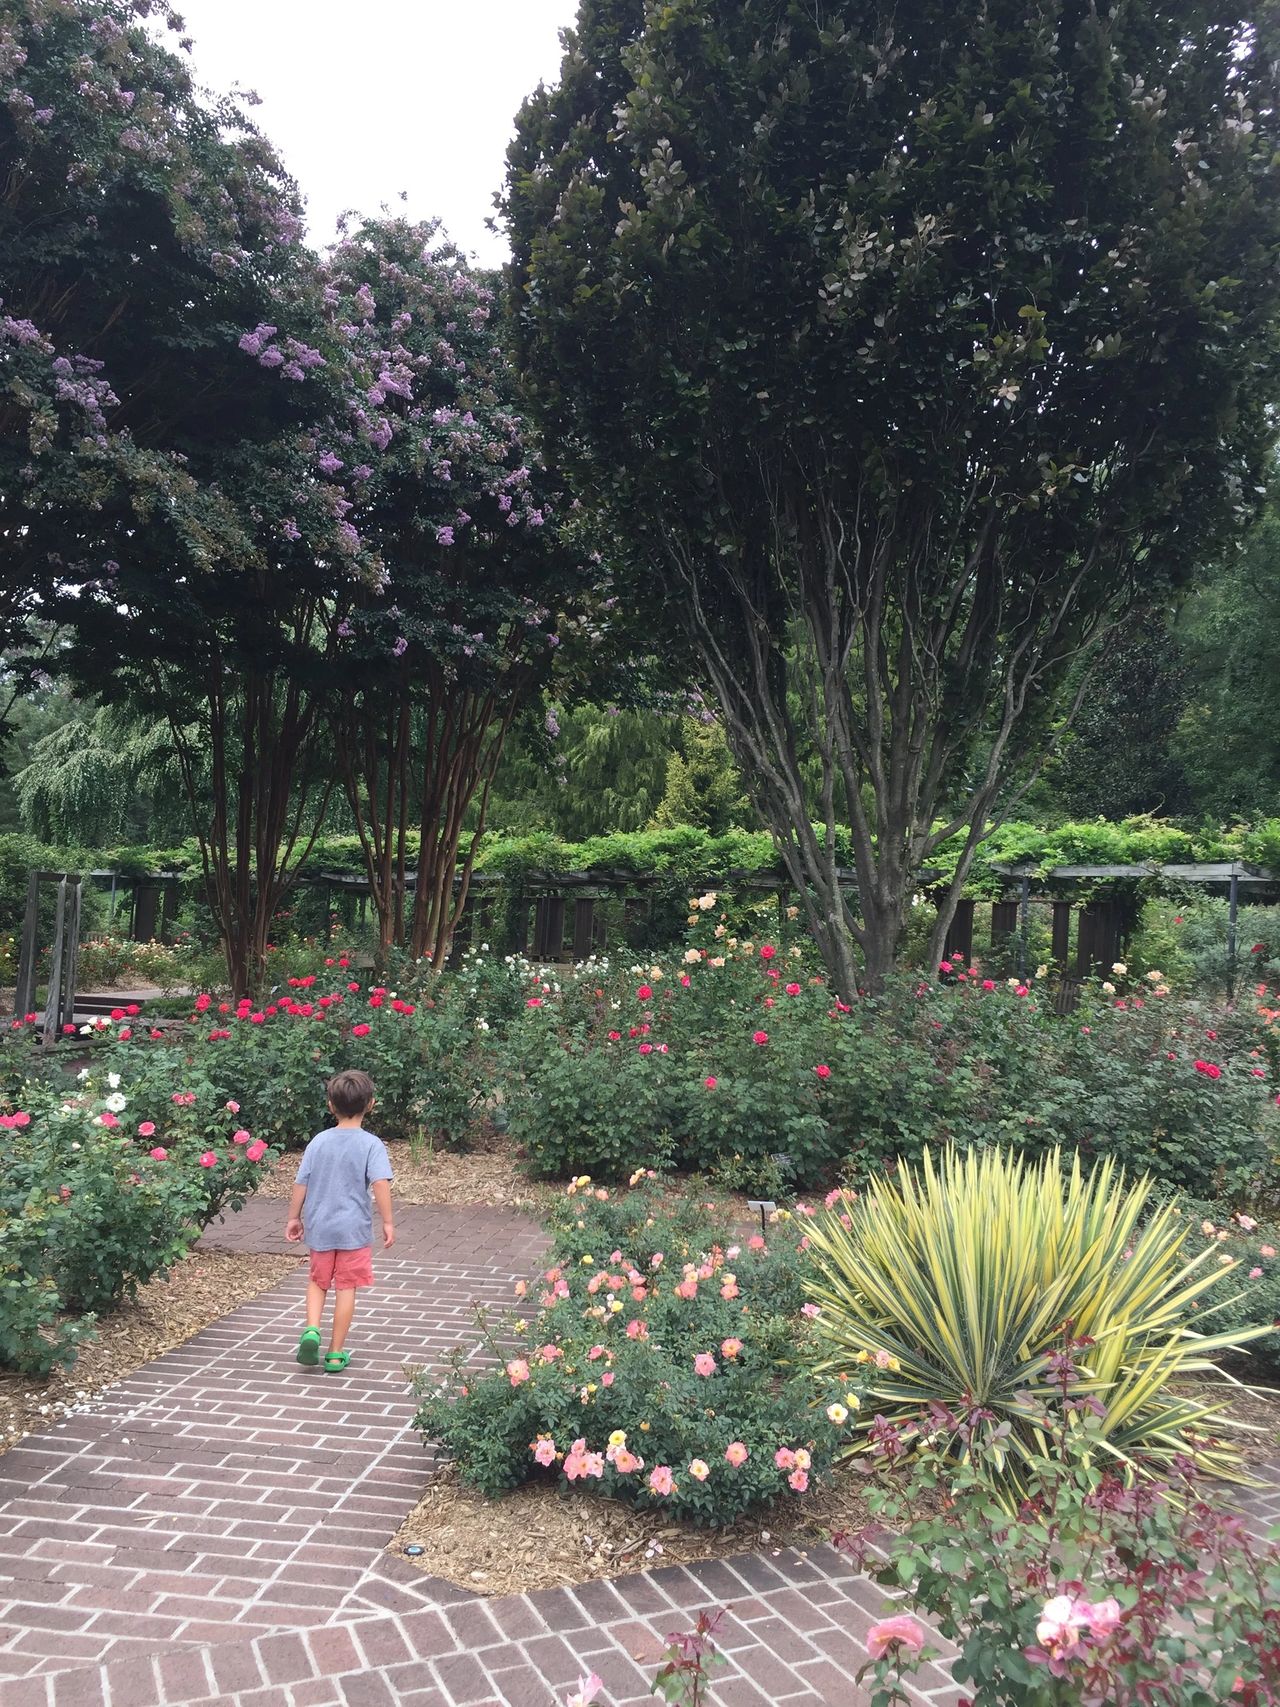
x,y
968,1275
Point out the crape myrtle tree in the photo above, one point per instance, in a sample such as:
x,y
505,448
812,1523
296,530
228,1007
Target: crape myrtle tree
x,y
161,380
479,569
905,347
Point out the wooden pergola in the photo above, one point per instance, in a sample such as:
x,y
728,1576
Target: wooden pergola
x,y
560,915
1104,922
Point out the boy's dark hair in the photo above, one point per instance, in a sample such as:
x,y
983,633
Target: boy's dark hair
x,y
349,1093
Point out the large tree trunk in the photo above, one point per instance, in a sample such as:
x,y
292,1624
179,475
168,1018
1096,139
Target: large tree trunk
x,y
465,734
261,823
863,702
433,738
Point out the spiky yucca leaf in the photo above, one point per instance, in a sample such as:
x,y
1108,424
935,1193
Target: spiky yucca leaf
x,y
965,1272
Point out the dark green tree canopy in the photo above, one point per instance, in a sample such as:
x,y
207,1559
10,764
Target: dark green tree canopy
x,y
143,233
904,345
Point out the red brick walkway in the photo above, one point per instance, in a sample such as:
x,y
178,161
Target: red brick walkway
x,y
214,1531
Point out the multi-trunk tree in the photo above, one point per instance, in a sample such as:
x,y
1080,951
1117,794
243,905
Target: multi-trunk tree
x,y
903,348
161,380
461,627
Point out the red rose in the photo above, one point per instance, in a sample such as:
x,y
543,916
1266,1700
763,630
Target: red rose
x,y
823,1072
644,993
767,951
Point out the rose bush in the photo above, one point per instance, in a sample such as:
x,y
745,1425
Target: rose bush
x,y
745,1052
656,1363
1091,1592
100,1191
275,1057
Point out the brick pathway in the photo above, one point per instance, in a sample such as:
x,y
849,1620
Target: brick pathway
x,y
214,1531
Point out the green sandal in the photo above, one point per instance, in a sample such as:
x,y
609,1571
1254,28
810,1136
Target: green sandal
x,y
336,1361
309,1347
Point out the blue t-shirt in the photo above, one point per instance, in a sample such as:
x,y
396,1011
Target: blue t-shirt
x,y
338,1167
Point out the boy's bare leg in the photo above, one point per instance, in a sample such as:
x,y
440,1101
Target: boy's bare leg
x,y
315,1304
344,1308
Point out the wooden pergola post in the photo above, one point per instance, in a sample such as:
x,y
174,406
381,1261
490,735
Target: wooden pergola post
x,y
584,927
1061,951
1004,921
960,934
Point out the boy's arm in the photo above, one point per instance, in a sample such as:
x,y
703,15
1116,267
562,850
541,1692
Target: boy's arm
x,y
293,1226
382,1199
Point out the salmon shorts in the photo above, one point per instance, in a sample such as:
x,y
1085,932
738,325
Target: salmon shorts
x,y
342,1269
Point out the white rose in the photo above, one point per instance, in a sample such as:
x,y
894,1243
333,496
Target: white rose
x,y
1119,968
116,1103
113,1079
1108,989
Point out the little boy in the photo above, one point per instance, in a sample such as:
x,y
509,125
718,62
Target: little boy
x,y
339,1168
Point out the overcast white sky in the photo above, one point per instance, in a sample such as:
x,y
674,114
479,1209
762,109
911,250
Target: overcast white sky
x,y
366,98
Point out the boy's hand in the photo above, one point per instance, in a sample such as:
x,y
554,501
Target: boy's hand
x,y
388,1235
293,1229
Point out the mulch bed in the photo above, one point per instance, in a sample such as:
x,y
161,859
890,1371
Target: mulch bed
x,y
547,1535
490,1173
165,1313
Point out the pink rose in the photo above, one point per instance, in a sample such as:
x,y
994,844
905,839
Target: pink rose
x,y
257,1150
208,1160
241,1137
108,1119
901,1631
545,1451
704,1363
158,1155
730,1347
1060,1623
699,1469
233,1108
784,1458
798,1480
736,1454
661,1480
517,1371
1104,1616
146,1129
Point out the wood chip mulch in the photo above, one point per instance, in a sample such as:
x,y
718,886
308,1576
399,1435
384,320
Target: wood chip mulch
x,y
491,1173
165,1313
546,1535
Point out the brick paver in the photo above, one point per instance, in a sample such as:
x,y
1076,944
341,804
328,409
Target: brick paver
x,y
215,1529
